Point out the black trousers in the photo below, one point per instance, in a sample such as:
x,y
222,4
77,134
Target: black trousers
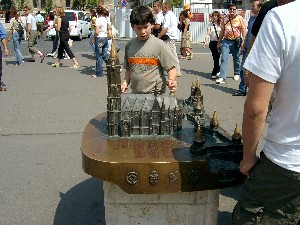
x,y
216,56
64,46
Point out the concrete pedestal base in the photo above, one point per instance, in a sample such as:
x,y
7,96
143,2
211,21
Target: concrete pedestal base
x,y
184,208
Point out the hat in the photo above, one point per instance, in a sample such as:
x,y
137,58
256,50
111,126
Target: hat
x,y
186,7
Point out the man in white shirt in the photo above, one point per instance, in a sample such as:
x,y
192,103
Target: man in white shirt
x,y
272,192
32,34
159,18
169,31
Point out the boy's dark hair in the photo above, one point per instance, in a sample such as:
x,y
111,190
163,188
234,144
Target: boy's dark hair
x,y
141,15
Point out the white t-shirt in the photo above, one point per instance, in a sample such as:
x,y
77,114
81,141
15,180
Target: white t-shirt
x,y
102,23
275,57
213,36
170,22
159,18
31,19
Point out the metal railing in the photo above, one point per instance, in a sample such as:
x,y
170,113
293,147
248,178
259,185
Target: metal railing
x,y
197,29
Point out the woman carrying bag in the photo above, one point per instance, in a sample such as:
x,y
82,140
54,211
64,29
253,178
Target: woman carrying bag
x,y
212,34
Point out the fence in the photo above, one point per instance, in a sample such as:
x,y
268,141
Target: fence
x,y
197,29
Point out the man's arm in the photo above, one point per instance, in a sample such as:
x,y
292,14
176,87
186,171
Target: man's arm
x,y
5,47
255,111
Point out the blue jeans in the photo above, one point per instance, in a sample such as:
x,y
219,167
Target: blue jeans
x,y
242,86
101,49
229,47
16,41
91,37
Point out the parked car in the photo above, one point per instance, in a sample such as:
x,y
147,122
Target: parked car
x,y
79,25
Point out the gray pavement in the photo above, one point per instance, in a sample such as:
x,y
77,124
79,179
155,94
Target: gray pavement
x,y
43,114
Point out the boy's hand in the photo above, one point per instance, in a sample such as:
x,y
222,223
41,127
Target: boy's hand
x,y
124,87
172,84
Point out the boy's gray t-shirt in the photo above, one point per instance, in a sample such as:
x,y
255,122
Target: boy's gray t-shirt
x,y
147,61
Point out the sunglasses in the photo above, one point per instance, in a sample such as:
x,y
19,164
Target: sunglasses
x,y
232,9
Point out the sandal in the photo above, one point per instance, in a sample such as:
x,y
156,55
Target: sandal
x,y
2,88
55,65
191,56
74,67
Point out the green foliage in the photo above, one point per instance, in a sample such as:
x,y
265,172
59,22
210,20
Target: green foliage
x,y
19,4
91,4
48,6
175,3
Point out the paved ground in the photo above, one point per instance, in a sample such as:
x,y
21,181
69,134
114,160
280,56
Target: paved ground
x,y
43,114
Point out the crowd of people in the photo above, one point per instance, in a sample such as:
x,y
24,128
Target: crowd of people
x,y
271,194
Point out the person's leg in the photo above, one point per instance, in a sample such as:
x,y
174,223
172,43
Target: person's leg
x,y
16,42
236,59
242,86
98,48
216,57
105,50
224,59
55,43
91,37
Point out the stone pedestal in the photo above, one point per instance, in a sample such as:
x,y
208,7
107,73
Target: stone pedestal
x,y
184,208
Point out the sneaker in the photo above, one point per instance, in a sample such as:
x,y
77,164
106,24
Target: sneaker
x,y
74,67
239,93
220,81
236,77
55,65
218,74
213,76
50,54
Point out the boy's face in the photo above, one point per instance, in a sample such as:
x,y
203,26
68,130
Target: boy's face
x,y
142,31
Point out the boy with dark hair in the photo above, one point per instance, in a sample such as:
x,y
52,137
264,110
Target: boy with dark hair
x,y
146,57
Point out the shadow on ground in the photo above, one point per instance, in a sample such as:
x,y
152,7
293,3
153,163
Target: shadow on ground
x,y
82,205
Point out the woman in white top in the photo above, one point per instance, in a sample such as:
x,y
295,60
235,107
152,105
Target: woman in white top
x,y
213,31
101,41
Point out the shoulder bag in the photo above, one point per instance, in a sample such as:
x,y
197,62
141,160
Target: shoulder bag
x,y
20,29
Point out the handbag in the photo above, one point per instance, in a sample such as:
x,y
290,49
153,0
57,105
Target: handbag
x,y
20,30
109,32
238,40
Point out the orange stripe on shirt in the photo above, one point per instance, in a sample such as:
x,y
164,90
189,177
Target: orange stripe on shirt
x,y
144,61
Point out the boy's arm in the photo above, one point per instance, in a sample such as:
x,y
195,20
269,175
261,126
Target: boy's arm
x,y
172,74
126,81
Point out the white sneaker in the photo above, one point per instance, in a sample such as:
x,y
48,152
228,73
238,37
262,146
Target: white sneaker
x,y
220,81
218,74
236,77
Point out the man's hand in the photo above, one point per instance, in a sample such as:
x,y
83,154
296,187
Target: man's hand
x,y
6,52
247,164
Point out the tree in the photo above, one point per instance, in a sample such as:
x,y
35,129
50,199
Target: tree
x,y
20,4
91,4
175,3
48,6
